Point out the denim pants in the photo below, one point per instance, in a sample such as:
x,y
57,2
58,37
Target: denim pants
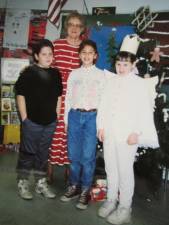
x,y
34,149
82,147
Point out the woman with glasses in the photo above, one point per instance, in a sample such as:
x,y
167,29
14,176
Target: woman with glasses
x,y
66,59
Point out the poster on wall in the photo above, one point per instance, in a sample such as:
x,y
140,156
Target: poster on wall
x,y
103,11
37,27
6,104
37,30
5,118
16,29
10,69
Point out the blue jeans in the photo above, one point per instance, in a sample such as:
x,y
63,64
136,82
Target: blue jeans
x,y
82,147
34,149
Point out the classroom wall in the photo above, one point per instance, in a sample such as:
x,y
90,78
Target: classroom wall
x,y
122,6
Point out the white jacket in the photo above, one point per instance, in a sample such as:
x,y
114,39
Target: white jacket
x,y
126,107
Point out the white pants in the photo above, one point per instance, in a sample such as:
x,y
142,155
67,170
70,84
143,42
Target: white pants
x,y
119,159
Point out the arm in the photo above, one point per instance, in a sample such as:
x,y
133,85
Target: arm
x,y
21,106
21,91
68,99
58,107
100,135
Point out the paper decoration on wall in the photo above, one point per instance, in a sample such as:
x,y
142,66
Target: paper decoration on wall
x,y
37,30
11,67
6,104
143,18
160,33
37,27
5,118
5,91
156,53
16,29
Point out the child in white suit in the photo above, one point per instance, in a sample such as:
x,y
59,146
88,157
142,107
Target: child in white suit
x,y
124,123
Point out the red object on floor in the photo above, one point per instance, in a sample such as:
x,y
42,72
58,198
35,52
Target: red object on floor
x,y
98,194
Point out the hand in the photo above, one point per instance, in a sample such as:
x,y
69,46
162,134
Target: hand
x,y
132,139
24,118
101,135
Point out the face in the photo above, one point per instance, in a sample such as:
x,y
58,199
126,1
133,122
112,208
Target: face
x,y
87,56
45,57
123,67
74,28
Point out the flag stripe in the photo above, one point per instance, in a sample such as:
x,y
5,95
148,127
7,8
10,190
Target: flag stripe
x,y
50,3
54,10
63,2
57,20
54,6
55,14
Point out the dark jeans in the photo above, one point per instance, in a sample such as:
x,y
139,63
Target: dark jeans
x,y
34,149
82,147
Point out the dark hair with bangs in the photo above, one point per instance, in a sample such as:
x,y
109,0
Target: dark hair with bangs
x,y
42,43
90,43
125,56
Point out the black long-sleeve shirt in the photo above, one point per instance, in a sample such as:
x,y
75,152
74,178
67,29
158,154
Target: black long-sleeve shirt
x,y
41,88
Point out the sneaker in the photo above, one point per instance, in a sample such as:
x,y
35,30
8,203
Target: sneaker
x,y
120,216
43,188
72,192
83,200
107,207
23,189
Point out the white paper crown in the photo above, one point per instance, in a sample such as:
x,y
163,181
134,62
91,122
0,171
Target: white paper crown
x,y
130,44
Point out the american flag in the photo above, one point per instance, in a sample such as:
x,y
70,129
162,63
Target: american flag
x,y
54,10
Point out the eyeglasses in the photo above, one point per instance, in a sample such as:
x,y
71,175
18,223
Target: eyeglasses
x,y
74,25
